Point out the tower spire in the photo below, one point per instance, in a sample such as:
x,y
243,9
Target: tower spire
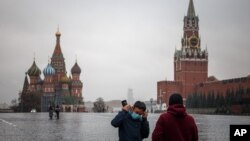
x,y
57,50
25,84
58,32
34,57
48,60
57,59
191,11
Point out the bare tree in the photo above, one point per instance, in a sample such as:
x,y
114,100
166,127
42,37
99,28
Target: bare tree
x,y
14,105
99,105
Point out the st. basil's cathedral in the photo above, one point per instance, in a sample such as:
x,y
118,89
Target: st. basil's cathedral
x,y
56,88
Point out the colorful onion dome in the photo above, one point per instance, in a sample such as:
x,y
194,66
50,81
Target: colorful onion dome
x,y
34,70
49,70
65,79
76,69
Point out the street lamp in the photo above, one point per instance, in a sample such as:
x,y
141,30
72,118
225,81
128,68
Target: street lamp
x,y
151,101
160,97
161,92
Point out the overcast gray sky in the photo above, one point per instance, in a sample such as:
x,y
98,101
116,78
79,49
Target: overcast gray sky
x,y
120,44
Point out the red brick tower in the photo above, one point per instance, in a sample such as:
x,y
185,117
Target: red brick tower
x,y
191,62
57,60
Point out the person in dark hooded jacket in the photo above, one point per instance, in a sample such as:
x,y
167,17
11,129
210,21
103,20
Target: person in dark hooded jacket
x,y
175,124
132,122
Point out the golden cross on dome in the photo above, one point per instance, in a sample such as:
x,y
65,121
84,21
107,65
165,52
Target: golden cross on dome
x,y
58,32
34,56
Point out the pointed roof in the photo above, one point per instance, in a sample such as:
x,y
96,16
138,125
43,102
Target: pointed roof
x,y
58,50
191,11
25,84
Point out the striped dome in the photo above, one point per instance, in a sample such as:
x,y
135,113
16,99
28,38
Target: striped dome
x,y
34,70
49,70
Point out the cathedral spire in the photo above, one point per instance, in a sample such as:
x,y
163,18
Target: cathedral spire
x,y
57,59
25,84
58,50
58,32
191,11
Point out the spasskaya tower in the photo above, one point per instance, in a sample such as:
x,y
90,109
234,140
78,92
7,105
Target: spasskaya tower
x,y
190,61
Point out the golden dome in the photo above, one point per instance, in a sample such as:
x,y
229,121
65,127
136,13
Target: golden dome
x,y
58,33
65,79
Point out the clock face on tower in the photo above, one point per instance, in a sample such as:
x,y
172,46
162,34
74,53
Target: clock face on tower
x,y
193,42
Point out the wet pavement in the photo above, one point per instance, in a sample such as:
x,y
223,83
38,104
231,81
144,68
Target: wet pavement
x,y
97,127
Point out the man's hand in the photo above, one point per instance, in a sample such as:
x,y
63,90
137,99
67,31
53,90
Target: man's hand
x,y
145,115
126,108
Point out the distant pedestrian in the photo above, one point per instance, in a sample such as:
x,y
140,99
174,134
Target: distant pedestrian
x,y
132,122
57,110
51,110
175,124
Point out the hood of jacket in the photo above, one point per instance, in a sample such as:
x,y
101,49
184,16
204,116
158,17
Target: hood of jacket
x,y
177,110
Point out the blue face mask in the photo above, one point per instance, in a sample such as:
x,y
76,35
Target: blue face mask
x,y
135,116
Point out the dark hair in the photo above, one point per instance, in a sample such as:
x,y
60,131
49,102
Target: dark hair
x,y
175,99
140,105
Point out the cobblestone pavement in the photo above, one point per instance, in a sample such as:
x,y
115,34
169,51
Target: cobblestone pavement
x,y
97,127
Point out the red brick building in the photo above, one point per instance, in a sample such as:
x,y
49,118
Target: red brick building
x,y
191,67
221,87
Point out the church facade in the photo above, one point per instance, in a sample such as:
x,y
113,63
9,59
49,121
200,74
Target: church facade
x,y
57,88
191,67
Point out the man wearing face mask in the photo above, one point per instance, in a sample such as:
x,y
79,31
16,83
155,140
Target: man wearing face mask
x,y
132,122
